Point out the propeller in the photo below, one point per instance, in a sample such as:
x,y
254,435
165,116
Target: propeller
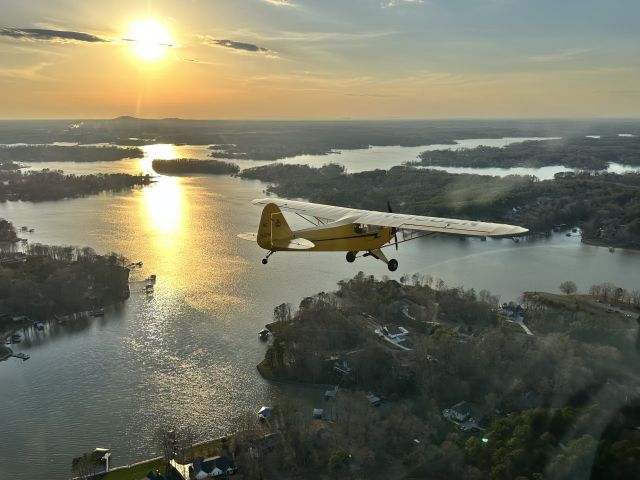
x,y
394,230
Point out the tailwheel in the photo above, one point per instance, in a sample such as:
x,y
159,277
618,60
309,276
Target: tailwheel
x,y
265,260
351,257
392,265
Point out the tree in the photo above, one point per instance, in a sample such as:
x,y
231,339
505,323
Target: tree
x,y
568,287
166,439
85,466
338,460
282,313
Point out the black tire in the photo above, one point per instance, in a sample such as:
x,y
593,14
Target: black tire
x,y
351,257
392,265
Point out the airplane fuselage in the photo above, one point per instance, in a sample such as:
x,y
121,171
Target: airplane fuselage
x,y
345,237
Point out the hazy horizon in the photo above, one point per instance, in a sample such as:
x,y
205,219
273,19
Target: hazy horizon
x,y
332,119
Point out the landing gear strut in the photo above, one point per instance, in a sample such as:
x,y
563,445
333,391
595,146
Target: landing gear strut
x,y
265,260
351,257
392,264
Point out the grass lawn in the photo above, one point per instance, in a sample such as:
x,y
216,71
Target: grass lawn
x,y
135,473
207,449
140,471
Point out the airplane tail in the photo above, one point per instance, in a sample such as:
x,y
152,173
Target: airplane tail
x,y
273,228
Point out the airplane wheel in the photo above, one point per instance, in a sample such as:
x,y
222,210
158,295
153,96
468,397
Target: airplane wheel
x,y
351,257
264,261
392,265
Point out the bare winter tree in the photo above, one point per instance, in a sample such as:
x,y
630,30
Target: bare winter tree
x,y
85,466
568,287
166,440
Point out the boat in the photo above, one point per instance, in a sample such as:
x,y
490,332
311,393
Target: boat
x,y
38,325
264,334
22,356
98,312
264,412
611,249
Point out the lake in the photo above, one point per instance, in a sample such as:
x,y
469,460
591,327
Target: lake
x,y
357,160
186,356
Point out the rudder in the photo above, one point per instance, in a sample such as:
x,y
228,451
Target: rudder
x,y
273,226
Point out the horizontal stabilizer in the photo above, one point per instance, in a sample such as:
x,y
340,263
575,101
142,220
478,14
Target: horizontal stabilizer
x,y
292,244
252,237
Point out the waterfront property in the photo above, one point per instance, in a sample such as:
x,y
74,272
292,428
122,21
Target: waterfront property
x,y
202,468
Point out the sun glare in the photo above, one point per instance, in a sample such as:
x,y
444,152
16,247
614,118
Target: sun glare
x,y
149,39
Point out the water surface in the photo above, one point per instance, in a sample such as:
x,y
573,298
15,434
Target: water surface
x,y
187,355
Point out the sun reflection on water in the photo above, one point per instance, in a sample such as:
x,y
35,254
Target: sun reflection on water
x,y
165,205
159,151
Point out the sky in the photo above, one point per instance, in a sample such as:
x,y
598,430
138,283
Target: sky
x,y
319,59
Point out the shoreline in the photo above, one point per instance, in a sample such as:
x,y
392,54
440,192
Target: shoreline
x,y
8,354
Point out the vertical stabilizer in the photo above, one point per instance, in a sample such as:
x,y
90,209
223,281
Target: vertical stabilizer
x,y
273,226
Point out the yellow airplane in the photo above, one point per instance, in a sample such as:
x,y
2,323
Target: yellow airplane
x,y
339,229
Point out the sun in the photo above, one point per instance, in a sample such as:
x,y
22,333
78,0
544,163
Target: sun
x,y
149,39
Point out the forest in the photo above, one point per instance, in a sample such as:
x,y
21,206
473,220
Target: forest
x,y
272,140
583,153
180,166
37,186
46,280
606,206
552,405
62,153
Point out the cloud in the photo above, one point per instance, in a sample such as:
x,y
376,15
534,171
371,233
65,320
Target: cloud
x,y
311,36
24,73
280,3
242,47
58,36
194,60
397,3
559,56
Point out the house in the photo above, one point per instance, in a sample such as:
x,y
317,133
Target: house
x,y
318,413
342,366
211,467
395,332
460,411
329,394
374,400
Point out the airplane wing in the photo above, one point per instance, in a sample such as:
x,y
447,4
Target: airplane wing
x,y
326,212
397,220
